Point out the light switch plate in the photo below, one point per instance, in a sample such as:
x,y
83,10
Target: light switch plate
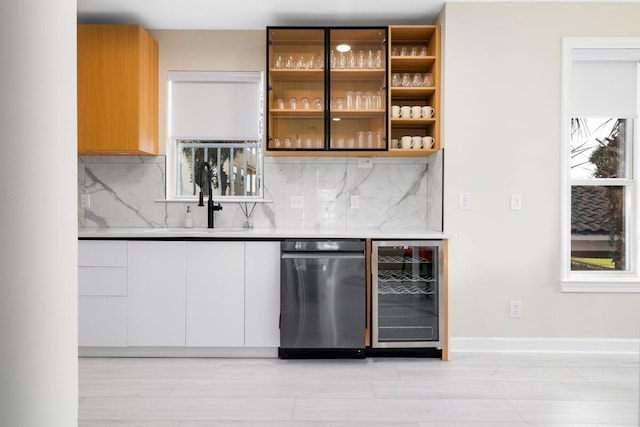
x,y
516,201
355,202
465,201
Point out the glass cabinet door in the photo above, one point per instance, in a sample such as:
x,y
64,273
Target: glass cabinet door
x,y
357,89
407,299
296,83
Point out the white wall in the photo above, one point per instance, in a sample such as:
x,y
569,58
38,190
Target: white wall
x,y
502,135
38,255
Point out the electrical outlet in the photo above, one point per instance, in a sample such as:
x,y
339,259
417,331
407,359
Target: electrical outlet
x,y
365,163
355,202
85,201
516,201
515,309
297,202
465,201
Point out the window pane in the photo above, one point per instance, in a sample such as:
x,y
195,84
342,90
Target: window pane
x,y
234,166
598,228
598,148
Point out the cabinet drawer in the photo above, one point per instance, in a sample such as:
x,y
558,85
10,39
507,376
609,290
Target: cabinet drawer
x,y
102,321
105,281
99,253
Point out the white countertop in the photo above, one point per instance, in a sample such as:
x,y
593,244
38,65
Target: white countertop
x,y
257,233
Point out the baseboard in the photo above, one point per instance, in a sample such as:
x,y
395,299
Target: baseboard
x,y
267,352
544,345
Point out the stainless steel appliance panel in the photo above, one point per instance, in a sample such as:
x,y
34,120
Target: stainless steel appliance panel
x,y
323,301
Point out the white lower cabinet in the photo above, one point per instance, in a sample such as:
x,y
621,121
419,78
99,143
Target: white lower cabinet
x,y
215,294
102,293
204,294
156,305
262,294
102,321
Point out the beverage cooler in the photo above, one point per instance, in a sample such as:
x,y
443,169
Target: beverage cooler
x,y
407,294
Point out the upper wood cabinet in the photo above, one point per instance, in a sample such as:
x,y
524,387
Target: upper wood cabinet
x,y
117,90
340,91
326,91
414,80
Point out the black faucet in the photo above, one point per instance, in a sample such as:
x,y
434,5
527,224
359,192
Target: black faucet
x,y
211,207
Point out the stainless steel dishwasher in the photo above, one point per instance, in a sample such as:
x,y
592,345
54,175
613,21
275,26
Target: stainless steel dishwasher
x,y
322,298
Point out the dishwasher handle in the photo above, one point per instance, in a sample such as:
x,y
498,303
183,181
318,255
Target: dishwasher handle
x,y
322,255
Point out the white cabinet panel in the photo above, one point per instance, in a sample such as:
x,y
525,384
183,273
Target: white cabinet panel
x,y
156,279
215,294
102,321
102,253
106,281
262,294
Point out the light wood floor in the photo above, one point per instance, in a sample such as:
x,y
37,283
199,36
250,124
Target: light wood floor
x,y
471,390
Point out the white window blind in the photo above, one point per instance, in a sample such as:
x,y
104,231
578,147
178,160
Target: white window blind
x,y
604,89
215,105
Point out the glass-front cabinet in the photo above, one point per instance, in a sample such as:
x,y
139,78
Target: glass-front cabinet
x,y
407,297
327,89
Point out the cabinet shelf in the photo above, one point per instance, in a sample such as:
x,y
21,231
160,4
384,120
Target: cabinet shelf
x,y
412,122
297,114
357,114
410,63
359,74
412,92
294,75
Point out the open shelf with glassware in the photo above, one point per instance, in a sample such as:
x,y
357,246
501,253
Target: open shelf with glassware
x,y
414,76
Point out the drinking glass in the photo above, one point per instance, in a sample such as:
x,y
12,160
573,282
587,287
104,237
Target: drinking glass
x,y
361,59
368,101
396,80
370,60
359,104
417,80
352,60
406,80
378,60
350,100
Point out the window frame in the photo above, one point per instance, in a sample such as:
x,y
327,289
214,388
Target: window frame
x,y
173,154
598,49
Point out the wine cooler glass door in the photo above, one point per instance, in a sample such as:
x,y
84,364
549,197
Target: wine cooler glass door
x,y
407,301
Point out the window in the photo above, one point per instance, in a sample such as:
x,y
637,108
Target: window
x,y
215,117
226,159
600,160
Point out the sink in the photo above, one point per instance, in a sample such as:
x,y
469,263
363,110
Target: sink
x,y
179,230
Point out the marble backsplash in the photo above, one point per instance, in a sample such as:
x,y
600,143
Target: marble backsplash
x,y
404,193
